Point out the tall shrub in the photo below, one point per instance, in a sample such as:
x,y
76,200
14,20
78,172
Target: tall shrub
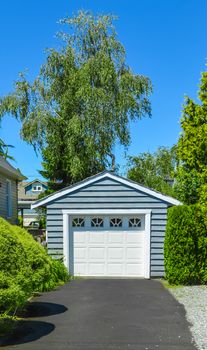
x,y
185,247
25,267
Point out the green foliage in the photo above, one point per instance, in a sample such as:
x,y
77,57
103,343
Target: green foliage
x,y
154,170
12,294
4,150
25,267
42,222
81,102
187,185
20,221
185,247
191,178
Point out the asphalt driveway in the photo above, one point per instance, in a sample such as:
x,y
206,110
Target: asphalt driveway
x,y
105,314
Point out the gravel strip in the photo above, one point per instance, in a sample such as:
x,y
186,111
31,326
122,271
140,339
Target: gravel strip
x,y
194,300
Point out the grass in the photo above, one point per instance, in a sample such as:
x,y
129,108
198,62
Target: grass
x,y
167,285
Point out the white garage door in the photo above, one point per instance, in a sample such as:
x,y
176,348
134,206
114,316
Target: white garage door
x,y
107,246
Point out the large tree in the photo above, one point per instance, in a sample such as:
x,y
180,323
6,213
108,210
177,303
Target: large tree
x,y
155,170
81,102
191,179
4,150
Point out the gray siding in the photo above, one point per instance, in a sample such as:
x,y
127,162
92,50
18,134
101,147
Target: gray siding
x,y
3,207
110,194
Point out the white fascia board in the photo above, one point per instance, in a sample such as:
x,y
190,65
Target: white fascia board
x,y
25,202
138,187
146,190
105,211
66,191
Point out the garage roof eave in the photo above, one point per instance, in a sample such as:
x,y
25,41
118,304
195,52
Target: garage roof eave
x,y
67,190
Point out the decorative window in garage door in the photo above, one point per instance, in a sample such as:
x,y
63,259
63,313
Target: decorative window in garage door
x,y
115,222
135,222
78,222
97,222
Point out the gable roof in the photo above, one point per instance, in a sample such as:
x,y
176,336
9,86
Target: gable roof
x,y
22,195
7,169
105,174
27,183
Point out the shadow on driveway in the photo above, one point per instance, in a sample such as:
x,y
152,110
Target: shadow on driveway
x,y
28,331
42,309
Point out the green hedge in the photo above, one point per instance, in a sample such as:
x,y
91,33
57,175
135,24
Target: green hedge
x,y
25,268
185,247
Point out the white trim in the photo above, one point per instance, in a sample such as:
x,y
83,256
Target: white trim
x,y
138,187
25,202
66,235
147,244
8,199
37,190
105,211
26,184
27,216
147,237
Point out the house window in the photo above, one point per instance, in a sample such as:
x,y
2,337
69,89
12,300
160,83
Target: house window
x,y
8,199
97,222
78,222
37,188
134,222
116,222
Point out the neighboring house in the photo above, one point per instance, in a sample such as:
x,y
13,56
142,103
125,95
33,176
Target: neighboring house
x,y
28,192
9,178
107,225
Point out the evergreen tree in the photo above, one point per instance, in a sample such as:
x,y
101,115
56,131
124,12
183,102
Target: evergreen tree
x,y
191,179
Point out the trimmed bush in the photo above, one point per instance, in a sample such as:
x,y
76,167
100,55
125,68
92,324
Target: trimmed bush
x,y
25,267
185,247
12,295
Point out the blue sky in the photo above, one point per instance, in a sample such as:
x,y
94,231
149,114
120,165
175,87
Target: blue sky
x,y
165,40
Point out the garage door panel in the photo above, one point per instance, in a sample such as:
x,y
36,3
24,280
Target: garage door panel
x,y
115,253
80,253
134,237
115,269
96,237
80,269
80,237
134,270
96,253
115,237
96,269
134,253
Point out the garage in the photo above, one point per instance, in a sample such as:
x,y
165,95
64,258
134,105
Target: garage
x,y
107,226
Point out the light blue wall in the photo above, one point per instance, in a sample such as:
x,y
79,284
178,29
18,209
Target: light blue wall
x,y
3,199
28,189
110,194
30,211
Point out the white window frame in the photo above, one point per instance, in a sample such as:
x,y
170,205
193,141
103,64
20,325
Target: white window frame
x,y
83,212
96,227
8,199
37,188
